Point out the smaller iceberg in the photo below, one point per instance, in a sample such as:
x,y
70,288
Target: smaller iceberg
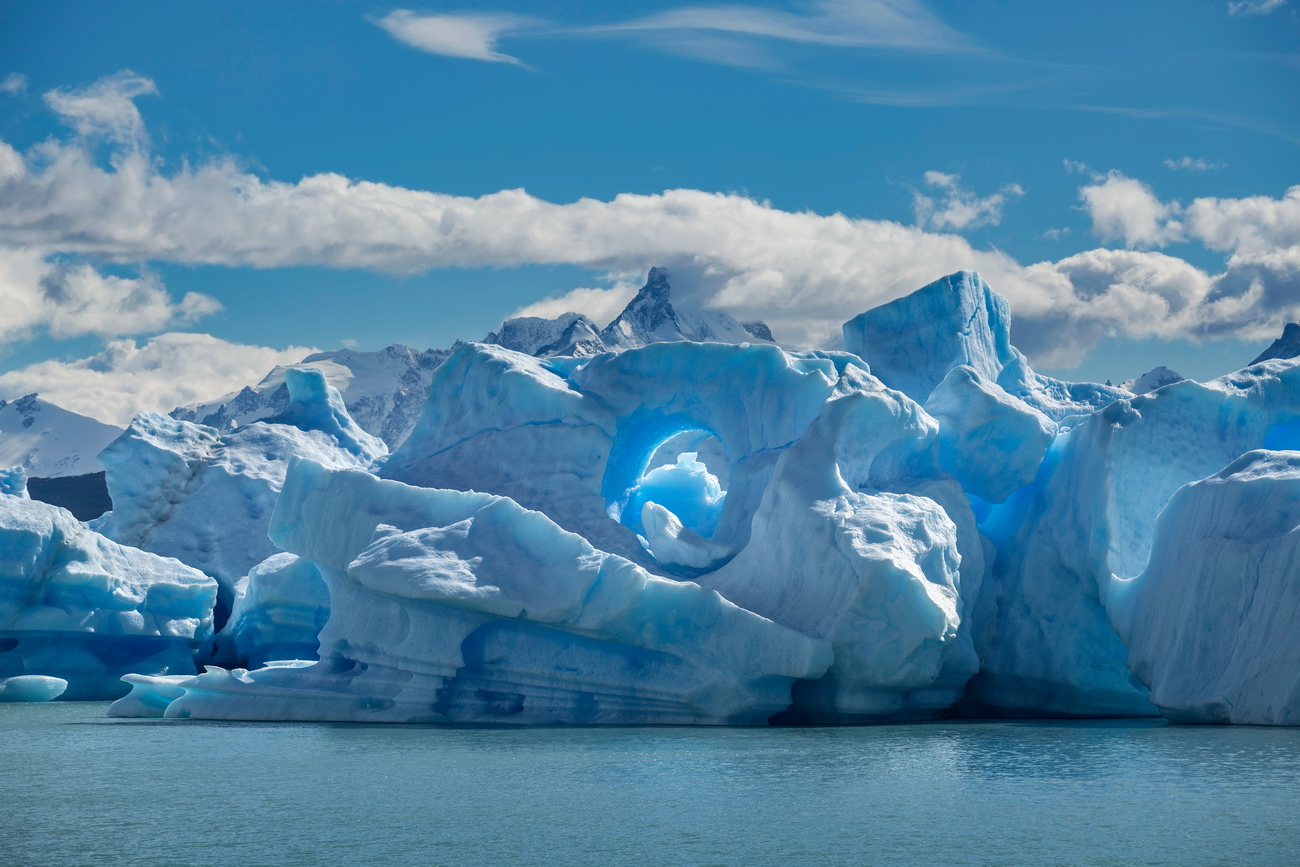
x,y
81,610
1213,623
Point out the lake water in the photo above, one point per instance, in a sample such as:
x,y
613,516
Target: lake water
x,y
78,788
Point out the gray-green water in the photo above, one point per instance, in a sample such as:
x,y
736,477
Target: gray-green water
x,y
77,788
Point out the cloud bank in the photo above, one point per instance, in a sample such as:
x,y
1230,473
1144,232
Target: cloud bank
x,y
804,273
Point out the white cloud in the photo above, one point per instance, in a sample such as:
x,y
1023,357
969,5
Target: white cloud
x,y
1254,7
899,24
469,36
13,84
600,305
72,299
1124,209
168,371
106,107
959,208
1188,164
803,273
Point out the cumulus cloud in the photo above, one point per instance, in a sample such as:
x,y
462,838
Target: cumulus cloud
x,y
13,84
959,208
469,36
167,371
73,299
1188,164
803,273
1254,7
1125,209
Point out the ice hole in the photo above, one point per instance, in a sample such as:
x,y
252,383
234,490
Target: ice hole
x,y
686,474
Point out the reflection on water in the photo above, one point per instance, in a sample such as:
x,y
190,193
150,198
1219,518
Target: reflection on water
x,y
79,788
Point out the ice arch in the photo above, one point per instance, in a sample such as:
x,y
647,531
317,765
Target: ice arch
x,y
570,437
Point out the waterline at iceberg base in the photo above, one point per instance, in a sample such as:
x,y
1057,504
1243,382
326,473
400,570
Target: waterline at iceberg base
x,y
709,533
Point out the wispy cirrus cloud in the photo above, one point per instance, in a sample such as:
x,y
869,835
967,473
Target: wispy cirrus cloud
x,y
1254,7
904,25
13,84
471,36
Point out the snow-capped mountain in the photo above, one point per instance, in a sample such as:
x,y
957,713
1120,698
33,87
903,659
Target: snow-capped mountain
x,y
1153,379
384,391
651,318
567,334
1286,346
648,318
49,441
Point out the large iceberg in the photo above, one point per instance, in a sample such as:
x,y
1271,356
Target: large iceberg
x,y
188,491
450,606
80,609
1213,623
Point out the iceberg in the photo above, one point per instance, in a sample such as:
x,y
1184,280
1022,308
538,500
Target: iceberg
x,y
1045,641
187,491
81,610
278,612
1213,623
912,343
451,606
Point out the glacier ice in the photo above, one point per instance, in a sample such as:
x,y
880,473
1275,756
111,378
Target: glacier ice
x,y
450,606
382,390
912,343
32,687
77,607
992,442
1046,643
13,481
673,520
1213,622
190,492
278,611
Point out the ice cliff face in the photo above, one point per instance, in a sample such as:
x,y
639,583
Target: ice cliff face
x,y
913,343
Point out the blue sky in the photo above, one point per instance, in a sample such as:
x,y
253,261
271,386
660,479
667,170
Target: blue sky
x,y
1119,170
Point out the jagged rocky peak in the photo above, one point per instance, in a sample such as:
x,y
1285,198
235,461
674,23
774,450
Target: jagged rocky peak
x,y
1286,346
534,335
650,317
1151,380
